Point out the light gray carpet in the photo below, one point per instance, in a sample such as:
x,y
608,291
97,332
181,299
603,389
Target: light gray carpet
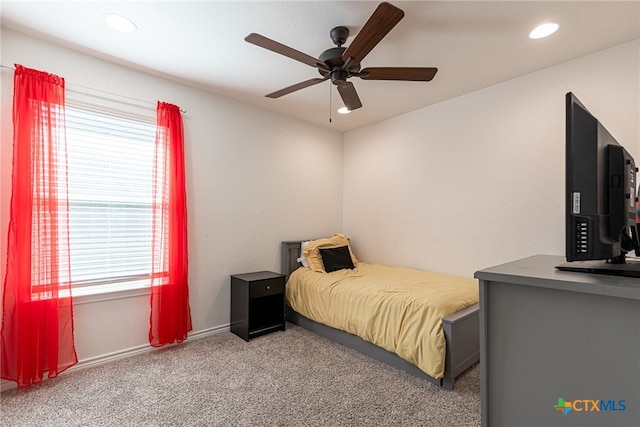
x,y
291,378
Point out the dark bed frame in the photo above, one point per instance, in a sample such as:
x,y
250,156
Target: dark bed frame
x,y
461,330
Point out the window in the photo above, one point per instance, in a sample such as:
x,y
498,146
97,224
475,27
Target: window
x,y
110,159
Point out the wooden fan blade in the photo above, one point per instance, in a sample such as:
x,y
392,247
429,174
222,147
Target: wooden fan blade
x,y
295,87
349,96
383,19
287,51
416,74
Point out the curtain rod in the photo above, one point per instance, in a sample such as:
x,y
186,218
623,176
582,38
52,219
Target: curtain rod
x,y
183,111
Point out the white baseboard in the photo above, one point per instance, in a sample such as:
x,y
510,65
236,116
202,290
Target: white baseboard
x,y
6,385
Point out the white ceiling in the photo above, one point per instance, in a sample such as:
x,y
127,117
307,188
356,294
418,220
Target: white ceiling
x,y
474,44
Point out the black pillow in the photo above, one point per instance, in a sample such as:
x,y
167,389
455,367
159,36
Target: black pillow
x,y
336,258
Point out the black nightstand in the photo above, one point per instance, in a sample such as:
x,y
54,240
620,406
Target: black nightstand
x,y
257,303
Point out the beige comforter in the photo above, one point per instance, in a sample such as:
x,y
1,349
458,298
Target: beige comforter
x,y
398,309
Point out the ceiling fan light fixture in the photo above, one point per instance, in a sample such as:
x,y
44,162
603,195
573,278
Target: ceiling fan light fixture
x,y
120,23
343,110
544,30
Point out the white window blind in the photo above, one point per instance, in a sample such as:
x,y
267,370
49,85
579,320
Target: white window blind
x,y
110,160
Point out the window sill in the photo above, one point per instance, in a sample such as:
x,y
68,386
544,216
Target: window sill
x,y
109,292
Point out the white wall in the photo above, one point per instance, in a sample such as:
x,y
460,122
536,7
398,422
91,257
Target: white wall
x,y
246,192
479,180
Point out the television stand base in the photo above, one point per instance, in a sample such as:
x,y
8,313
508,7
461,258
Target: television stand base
x,y
629,269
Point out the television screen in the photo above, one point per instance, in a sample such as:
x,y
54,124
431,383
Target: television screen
x,y
600,179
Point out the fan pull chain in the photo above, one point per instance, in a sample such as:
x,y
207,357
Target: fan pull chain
x,y
330,109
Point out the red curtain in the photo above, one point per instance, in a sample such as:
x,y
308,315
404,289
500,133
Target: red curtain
x,y
170,314
37,312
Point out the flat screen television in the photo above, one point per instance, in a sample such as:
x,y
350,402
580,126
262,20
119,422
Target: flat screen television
x,y
600,178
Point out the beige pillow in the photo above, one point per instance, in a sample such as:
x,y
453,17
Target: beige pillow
x,y
312,254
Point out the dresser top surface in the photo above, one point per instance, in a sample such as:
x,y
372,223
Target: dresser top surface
x,y
541,271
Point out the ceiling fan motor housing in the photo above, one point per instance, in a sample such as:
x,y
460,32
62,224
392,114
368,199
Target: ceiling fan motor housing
x,y
333,60
332,57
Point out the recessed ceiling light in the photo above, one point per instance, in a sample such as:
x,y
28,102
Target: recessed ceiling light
x,y
120,23
543,30
343,110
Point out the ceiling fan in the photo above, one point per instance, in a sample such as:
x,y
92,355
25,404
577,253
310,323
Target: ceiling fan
x,y
339,63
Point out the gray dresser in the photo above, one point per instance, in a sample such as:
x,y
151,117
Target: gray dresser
x,y
558,348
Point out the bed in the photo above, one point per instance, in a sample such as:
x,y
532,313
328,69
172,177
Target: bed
x,y
460,328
